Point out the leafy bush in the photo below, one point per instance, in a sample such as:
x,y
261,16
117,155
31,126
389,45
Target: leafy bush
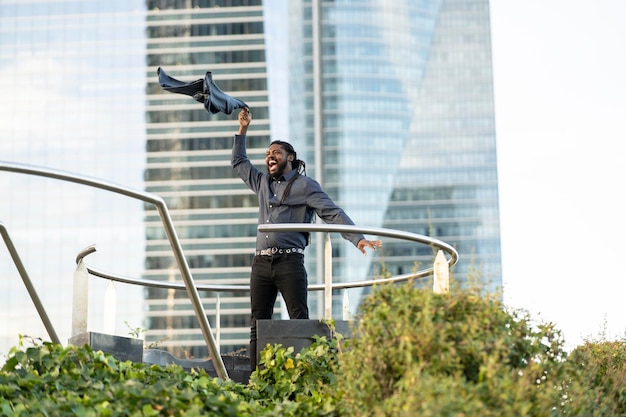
x,y
413,353
416,353
300,385
597,379
50,380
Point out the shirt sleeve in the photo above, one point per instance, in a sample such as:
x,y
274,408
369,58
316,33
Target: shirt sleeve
x,y
242,165
328,211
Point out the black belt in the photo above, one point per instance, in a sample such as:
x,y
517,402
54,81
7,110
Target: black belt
x,y
279,251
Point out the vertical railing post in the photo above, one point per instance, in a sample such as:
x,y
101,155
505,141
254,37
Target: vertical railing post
x,y
328,279
218,320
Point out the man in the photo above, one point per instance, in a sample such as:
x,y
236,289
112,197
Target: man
x,y
286,195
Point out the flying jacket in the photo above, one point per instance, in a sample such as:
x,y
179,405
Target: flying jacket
x,y
203,90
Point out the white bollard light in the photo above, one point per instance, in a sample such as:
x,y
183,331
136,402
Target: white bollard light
x,y
347,315
110,309
441,283
80,299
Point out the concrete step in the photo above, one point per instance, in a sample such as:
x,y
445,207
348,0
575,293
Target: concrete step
x,y
237,366
296,333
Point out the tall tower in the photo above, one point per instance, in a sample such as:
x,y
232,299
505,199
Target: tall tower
x,y
392,107
188,164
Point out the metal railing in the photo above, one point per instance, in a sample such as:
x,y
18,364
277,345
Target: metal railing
x,y
28,284
170,231
188,282
328,285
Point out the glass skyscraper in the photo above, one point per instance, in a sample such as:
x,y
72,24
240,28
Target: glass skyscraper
x,y
390,103
188,163
392,106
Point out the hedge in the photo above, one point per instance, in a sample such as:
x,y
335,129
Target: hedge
x,y
413,353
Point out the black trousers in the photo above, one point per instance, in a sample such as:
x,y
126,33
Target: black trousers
x,y
270,274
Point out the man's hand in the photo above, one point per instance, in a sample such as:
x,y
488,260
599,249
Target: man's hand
x,y
372,244
245,117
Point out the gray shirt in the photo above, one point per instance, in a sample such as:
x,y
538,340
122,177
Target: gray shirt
x,y
305,199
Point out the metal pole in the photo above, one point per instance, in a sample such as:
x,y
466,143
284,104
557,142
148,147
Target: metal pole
x,y
318,116
318,113
218,320
29,285
328,279
192,291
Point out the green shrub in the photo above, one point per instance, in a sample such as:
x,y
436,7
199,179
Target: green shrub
x,y
50,380
297,385
416,353
413,353
597,379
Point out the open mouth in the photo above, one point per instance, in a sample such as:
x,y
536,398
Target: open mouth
x,y
271,164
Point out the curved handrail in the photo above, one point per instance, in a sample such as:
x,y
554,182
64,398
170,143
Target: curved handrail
x,y
246,288
300,227
377,231
165,284
89,249
169,230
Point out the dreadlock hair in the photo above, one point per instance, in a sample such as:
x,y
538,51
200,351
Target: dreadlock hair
x,y
296,164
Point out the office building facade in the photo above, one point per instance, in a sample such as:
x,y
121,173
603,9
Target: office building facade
x,y
392,106
188,164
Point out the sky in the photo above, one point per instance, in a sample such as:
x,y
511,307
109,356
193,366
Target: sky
x,y
560,100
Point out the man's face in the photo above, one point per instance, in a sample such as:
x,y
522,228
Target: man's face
x,y
277,161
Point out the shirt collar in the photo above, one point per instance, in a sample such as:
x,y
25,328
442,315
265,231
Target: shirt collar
x,y
288,176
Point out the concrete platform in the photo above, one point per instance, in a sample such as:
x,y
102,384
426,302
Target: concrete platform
x,y
122,348
237,366
296,333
